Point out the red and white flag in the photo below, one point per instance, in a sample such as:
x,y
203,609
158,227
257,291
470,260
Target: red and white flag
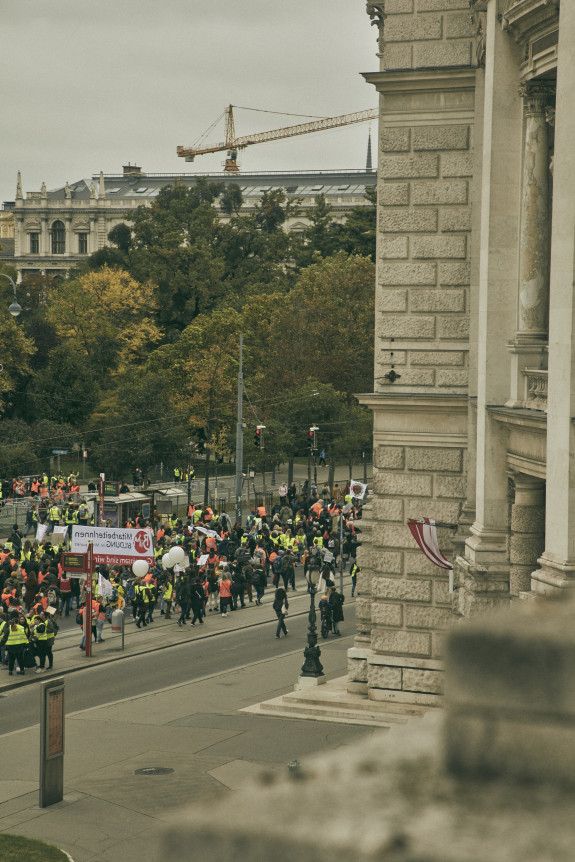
x,y
357,489
425,534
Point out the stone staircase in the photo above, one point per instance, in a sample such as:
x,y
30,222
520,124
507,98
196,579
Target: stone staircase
x,y
332,702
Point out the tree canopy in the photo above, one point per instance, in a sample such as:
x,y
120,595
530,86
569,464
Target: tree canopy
x,y
136,354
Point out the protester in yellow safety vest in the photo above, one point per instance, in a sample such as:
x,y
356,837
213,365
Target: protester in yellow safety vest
x,y
83,513
353,570
167,599
15,639
53,517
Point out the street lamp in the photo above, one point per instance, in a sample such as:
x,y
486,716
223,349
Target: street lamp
x,y
15,308
312,669
314,428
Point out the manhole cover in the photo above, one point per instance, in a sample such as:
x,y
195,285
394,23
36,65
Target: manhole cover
x,y
153,770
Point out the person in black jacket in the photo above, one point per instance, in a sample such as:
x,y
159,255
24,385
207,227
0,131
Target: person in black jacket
x,y
336,601
280,601
238,586
184,598
197,601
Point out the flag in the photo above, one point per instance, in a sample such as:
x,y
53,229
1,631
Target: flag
x,y
425,534
207,532
357,489
105,588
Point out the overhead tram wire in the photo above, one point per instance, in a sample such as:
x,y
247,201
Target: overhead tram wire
x,y
169,421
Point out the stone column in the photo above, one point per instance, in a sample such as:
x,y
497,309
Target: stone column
x,y
535,232
527,531
482,574
528,347
558,561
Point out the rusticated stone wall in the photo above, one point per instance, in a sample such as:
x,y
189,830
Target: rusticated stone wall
x,y
426,84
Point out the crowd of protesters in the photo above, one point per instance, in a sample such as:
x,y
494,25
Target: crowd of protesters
x,y
222,567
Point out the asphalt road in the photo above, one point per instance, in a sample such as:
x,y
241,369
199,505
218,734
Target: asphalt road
x,y
137,675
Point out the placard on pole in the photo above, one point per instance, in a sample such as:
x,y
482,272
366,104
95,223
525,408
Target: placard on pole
x,y
52,718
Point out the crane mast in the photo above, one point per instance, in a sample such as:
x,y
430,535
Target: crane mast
x,y
232,143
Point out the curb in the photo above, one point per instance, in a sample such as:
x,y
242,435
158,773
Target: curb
x,y
113,658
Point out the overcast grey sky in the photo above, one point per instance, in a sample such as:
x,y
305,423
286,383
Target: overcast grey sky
x,y
90,85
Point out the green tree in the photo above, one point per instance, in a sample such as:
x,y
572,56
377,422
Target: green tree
x,y
357,235
322,329
319,237
231,199
17,351
174,246
137,426
66,388
200,372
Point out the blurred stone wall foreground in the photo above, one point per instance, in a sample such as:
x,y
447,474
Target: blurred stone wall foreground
x,y
491,779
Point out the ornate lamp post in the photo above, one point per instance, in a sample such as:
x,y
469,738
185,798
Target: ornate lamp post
x,y
312,669
15,308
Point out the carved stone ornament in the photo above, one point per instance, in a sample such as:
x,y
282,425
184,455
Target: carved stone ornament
x,y
32,225
479,10
81,225
535,95
376,12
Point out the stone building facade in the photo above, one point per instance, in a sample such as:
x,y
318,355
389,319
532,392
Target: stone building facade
x,y
53,230
475,342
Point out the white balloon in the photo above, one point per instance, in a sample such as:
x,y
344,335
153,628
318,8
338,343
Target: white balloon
x,y
177,554
140,568
166,561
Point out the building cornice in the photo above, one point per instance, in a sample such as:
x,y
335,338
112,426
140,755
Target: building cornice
x,y
406,401
416,81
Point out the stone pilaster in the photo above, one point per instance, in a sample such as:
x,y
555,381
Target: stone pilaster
x,y
557,564
482,574
357,655
419,471
527,531
45,248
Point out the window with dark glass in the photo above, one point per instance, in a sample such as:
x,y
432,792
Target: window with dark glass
x,y
82,243
34,243
58,238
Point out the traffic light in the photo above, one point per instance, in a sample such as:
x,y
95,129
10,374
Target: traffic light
x,y
310,439
257,438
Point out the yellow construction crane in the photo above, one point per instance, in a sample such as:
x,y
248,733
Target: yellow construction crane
x,y
232,144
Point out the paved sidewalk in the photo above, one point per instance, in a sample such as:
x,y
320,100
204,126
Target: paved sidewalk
x,y
112,813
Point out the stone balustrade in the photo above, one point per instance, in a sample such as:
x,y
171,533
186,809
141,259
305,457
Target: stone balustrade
x,y
536,388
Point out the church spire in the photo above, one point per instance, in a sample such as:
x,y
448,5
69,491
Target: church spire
x,y
368,160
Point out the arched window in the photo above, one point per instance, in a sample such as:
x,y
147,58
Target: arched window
x,y
58,238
